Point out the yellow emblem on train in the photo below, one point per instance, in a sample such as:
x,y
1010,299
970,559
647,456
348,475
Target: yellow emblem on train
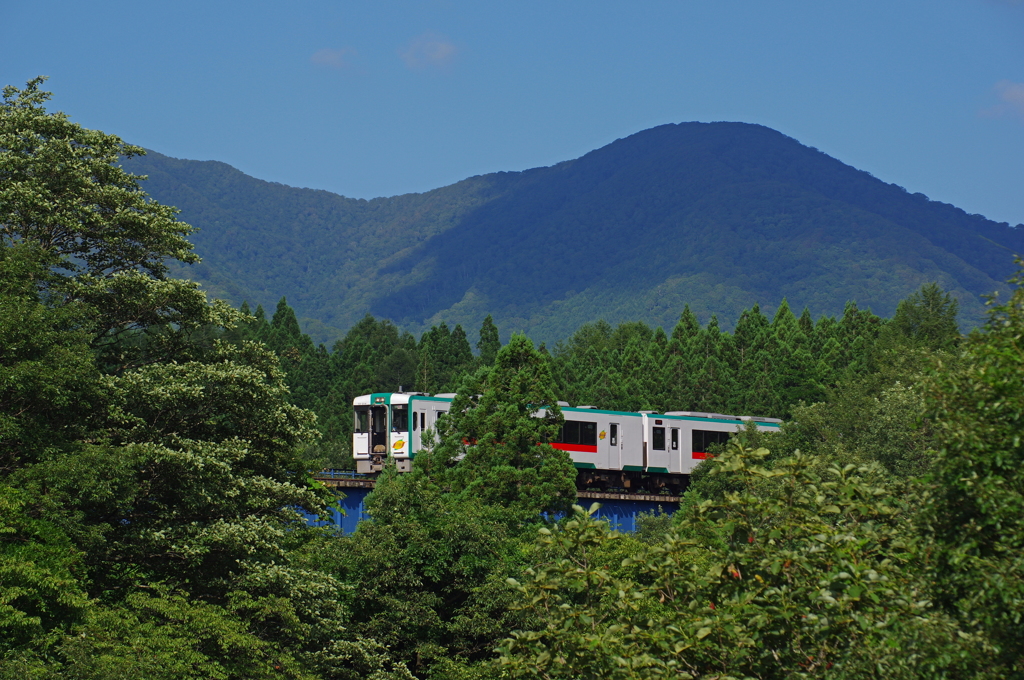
x,y
602,435
399,444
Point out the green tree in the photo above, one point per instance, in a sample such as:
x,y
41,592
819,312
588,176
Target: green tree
x,y
924,319
584,368
428,571
754,366
48,378
857,332
796,575
40,594
713,384
977,501
61,186
681,365
444,357
156,469
489,343
492,441
107,243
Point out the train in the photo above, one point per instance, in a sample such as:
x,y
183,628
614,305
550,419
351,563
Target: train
x,y
630,452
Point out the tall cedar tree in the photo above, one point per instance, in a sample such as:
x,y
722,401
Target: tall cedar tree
x,y
489,342
493,440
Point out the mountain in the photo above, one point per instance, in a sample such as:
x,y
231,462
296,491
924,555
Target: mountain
x,y
717,215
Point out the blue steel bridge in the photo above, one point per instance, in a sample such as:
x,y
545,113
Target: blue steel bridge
x,y
620,509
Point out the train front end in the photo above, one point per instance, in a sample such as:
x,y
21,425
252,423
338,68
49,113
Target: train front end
x,y
380,431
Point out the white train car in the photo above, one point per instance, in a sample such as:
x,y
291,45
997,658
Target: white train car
x,y
392,423
611,449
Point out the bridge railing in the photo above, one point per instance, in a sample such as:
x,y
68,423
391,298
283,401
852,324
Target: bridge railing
x,y
331,473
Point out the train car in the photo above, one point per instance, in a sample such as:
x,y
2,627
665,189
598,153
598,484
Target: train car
x,y
611,449
392,424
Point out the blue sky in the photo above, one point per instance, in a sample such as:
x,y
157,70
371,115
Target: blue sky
x,y
380,98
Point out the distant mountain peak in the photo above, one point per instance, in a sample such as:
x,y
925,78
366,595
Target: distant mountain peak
x,y
719,215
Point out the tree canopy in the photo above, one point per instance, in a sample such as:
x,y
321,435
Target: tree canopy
x,y
153,484
493,440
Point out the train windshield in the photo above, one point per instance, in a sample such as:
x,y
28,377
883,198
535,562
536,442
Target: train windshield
x,y
399,419
362,422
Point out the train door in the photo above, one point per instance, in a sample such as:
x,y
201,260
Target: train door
x,y
675,457
632,444
646,434
688,455
658,453
419,423
432,422
378,433
614,447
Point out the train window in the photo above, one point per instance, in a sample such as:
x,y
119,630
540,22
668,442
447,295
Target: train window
x,y
613,434
576,432
675,438
399,419
362,424
570,432
423,421
658,439
588,434
702,439
379,421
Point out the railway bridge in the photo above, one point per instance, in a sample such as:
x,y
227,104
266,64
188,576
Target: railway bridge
x,y
620,509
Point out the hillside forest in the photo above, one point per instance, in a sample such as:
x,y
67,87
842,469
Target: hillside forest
x,y
764,367
157,451
717,216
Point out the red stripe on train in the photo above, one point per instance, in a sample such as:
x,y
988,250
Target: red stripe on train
x,y
579,448
699,455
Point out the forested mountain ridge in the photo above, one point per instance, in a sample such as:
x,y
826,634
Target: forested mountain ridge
x,y
717,215
262,240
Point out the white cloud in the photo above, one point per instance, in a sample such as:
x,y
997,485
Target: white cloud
x,y
336,59
429,50
1011,100
1012,95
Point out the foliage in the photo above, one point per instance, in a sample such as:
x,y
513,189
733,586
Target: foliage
x,y
764,368
492,443
489,343
428,573
39,594
813,579
651,527
105,242
974,513
926,318
48,379
151,470
62,188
